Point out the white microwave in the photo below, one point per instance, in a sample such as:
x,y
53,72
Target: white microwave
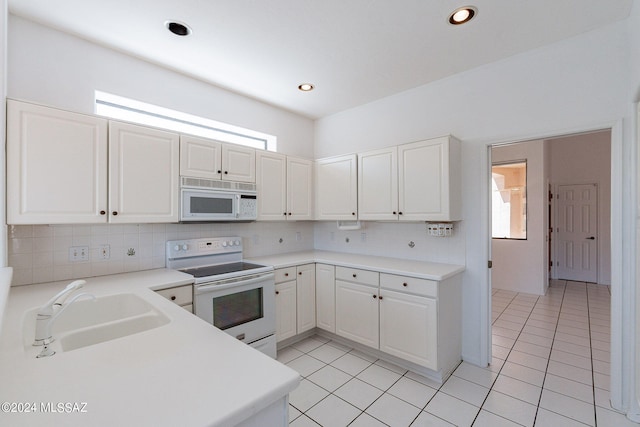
x,y
205,200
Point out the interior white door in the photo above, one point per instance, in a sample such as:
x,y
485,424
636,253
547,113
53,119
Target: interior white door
x,y
577,237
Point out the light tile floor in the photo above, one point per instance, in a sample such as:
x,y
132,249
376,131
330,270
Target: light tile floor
x,y
550,368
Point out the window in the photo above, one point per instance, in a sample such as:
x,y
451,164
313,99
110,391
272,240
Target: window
x,y
118,107
509,200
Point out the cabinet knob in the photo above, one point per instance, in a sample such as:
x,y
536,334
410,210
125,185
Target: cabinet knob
x,y
394,212
405,284
277,292
289,213
114,213
286,274
380,298
173,297
103,213
399,213
226,172
219,171
355,275
353,213
300,273
284,214
375,296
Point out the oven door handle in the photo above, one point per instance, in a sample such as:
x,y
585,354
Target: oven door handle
x,y
230,283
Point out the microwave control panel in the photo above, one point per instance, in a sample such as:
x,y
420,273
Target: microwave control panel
x,y
248,207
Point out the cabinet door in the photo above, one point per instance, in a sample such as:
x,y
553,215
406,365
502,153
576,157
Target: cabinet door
x,y
429,180
336,188
326,297
285,310
357,313
271,182
299,189
56,166
238,163
200,158
408,327
143,174
378,185
306,297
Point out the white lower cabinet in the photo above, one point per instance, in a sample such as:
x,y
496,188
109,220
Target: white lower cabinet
x,y
326,297
357,305
306,297
357,312
295,300
409,327
181,295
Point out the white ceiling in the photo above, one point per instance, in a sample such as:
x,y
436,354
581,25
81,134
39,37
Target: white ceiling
x,y
354,51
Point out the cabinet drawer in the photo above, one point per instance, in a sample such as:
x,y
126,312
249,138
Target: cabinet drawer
x,y
181,295
285,274
411,285
356,275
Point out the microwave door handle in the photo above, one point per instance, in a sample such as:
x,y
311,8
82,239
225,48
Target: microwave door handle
x,y
237,205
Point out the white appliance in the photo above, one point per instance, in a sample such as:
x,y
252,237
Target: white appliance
x,y
206,200
235,296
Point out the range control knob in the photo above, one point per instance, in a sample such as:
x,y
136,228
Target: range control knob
x,y
237,242
185,247
224,244
176,248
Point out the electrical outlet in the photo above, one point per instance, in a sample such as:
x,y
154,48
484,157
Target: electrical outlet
x,y
78,253
104,252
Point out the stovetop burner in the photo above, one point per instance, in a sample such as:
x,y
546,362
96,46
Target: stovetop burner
x,y
212,270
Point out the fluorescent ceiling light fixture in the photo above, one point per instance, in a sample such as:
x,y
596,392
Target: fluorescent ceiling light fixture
x,y
462,15
178,28
306,87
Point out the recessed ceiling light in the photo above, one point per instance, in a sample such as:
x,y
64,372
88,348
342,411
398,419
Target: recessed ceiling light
x,y
306,87
462,15
178,28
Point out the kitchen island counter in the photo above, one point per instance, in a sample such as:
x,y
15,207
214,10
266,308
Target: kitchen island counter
x,y
185,372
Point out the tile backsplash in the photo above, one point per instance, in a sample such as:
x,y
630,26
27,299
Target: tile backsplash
x,y
40,253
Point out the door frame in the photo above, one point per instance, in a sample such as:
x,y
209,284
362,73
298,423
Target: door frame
x,y
554,245
623,254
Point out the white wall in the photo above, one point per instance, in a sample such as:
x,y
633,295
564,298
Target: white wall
x,y
585,159
60,70
3,93
580,83
521,265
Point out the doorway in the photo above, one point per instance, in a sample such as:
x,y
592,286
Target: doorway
x,y
575,240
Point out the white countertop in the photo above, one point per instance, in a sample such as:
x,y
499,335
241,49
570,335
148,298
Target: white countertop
x,y
418,269
185,373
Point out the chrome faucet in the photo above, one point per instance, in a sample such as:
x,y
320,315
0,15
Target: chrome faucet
x,y
51,309
46,338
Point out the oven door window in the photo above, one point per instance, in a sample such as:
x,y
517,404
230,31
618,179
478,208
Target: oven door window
x,y
237,308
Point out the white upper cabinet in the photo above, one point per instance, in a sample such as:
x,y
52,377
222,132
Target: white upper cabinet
x,y
206,158
271,183
429,180
200,158
420,181
378,185
299,189
284,187
56,166
238,163
143,174
336,183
